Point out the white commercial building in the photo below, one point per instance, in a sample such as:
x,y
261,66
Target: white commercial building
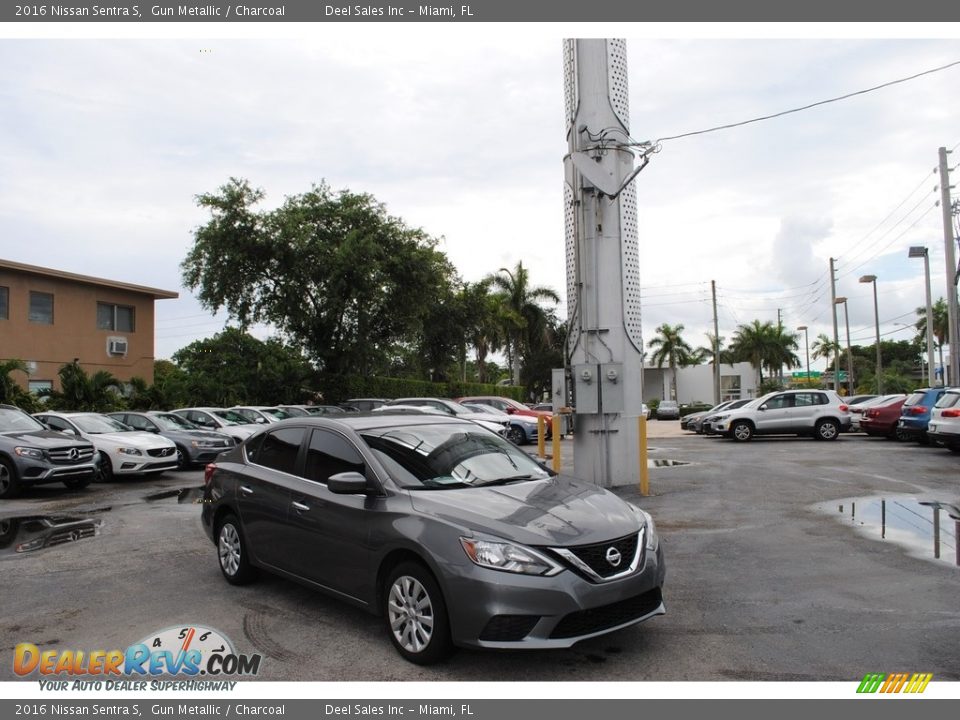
x,y
695,384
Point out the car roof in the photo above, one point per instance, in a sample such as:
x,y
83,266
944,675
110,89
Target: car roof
x,y
370,421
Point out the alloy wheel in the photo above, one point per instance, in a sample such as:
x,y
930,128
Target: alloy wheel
x,y
411,614
228,546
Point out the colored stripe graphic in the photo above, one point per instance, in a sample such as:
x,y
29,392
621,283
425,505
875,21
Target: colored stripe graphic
x,y
894,682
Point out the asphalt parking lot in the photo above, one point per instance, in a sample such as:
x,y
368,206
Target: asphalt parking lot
x,y
787,559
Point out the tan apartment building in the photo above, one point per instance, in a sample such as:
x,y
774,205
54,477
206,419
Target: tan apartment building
x,y
49,318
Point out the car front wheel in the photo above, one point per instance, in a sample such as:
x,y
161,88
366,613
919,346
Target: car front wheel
x,y
9,486
516,435
827,430
104,469
741,431
417,615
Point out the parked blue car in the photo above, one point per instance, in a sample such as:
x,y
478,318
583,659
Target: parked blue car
x,y
915,414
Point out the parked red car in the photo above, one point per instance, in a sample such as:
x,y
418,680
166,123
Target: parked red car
x,y
507,405
882,420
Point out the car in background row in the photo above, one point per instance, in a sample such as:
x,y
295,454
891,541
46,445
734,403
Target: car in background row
x,y
451,534
882,419
122,450
668,410
507,405
31,454
226,421
260,414
790,412
702,424
915,413
944,425
362,404
851,400
195,446
687,420
858,409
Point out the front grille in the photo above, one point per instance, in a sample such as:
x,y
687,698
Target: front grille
x,y
161,452
595,556
71,455
585,622
509,628
58,537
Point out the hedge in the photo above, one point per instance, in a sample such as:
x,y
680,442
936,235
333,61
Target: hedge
x,y
340,388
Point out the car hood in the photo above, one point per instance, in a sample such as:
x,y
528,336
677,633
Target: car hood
x,y
135,439
188,435
44,438
557,512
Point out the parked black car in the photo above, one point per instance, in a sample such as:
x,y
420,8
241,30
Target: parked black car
x,y
31,454
451,532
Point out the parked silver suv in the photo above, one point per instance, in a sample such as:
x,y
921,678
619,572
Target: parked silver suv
x,y
787,412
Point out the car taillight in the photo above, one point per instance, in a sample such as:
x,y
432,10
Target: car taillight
x,y
950,413
918,410
872,413
844,408
208,473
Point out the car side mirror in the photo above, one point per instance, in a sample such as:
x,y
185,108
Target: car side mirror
x,y
261,420
347,483
511,410
762,407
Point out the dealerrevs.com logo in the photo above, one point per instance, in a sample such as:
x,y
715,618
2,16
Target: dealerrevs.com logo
x,y
894,682
188,650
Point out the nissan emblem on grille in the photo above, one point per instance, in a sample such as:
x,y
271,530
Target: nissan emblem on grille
x,y
613,556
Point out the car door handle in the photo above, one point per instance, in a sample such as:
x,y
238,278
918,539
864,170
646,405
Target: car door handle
x,y
246,490
299,506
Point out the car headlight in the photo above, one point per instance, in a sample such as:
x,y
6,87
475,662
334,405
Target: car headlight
x,y
652,539
29,452
204,443
718,418
129,451
508,557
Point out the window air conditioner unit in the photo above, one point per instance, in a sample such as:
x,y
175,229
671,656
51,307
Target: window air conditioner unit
x,y
116,346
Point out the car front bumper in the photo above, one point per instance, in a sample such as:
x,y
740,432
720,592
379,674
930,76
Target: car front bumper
x,y
33,472
494,609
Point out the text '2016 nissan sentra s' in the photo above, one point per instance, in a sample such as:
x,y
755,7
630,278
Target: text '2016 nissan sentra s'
x,y
453,534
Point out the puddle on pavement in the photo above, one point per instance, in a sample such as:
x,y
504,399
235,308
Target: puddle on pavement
x,y
653,463
36,532
925,528
183,495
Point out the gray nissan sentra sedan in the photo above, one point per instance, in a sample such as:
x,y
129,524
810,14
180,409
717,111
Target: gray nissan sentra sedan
x,y
453,534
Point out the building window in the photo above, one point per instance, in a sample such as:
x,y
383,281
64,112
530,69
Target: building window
x,y
38,386
730,387
4,303
118,318
41,308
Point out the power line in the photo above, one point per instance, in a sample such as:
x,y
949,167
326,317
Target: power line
x,y
880,251
811,105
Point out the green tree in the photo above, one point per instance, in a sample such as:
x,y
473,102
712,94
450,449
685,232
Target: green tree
x,y
10,391
235,368
100,392
781,351
332,271
669,347
824,348
483,324
941,326
522,316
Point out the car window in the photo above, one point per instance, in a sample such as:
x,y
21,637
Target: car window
x,y
279,449
137,421
329,454
169,421
11,420
809,398
778,402
58,423
948,400
913,399
230,417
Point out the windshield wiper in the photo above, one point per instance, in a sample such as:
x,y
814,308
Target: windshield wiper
x,y
508,480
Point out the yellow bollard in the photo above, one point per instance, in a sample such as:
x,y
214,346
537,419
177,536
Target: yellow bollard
x,y
541,436
644,470
556,443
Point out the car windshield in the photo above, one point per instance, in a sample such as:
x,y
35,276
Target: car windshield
x,y
97,424
276,412
17,421
433,457
230,417
913,399
295,412
485,409
169,421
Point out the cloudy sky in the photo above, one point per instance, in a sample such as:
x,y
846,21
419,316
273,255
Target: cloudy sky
x,y
105,142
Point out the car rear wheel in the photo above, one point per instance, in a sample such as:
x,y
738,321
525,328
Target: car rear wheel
x,y
741,431
9,485
182,462
827,430
516,435
901,434
232,552
417,615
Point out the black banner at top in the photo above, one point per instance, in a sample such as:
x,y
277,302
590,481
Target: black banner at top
x,y
533,11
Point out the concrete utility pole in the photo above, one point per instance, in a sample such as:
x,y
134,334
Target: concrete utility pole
x,y
605,341
836,330
716,345
951,263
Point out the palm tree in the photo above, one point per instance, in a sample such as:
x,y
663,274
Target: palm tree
x,y
941,325
781,350
9,390
95,393
521,310
825,348
670,347
484,326
754,343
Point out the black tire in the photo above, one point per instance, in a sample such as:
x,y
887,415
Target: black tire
x,y
78,483
741,431
232,554
103,471
827,430
9,483
183,463
416,615
901,435
516,435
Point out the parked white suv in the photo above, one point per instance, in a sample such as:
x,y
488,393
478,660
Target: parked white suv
x,y
786,412
944,426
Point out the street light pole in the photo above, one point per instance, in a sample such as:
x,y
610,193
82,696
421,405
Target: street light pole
x,y
846,317
806,346
876,317
922,251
